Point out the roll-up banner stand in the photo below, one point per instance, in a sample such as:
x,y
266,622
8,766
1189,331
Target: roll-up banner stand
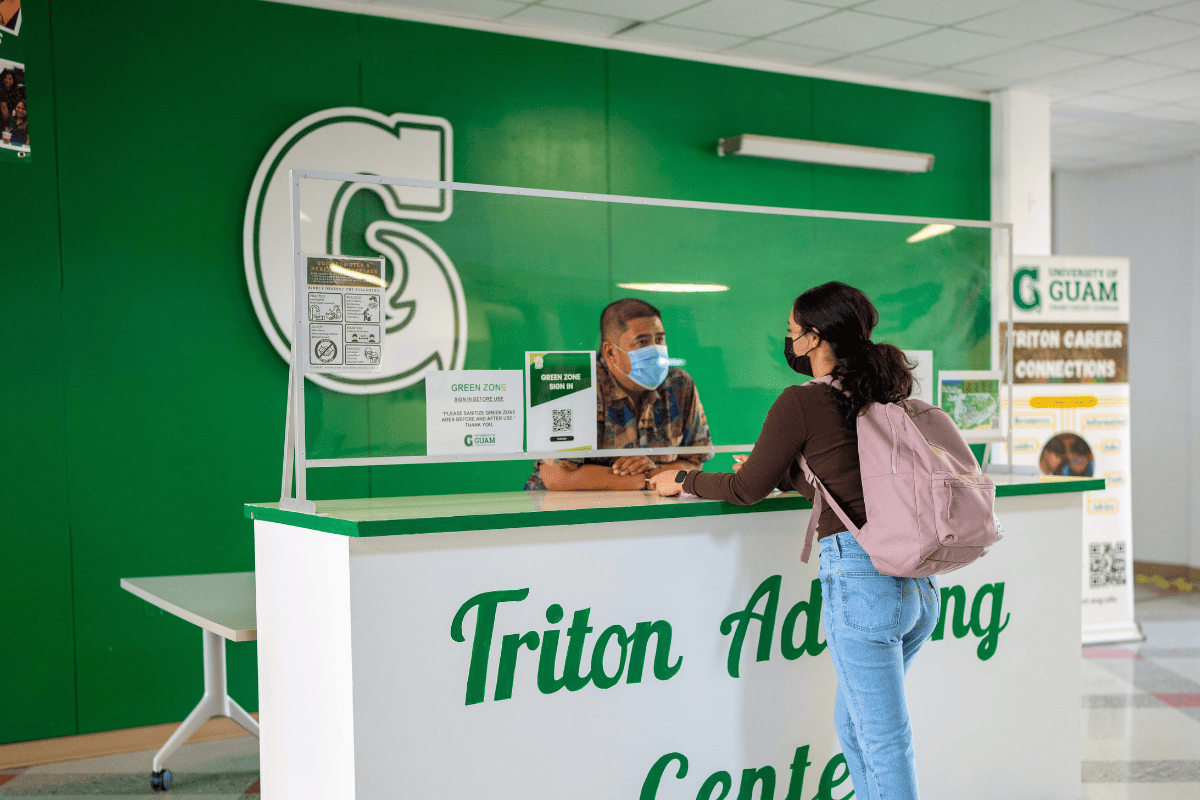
x,y
1071,413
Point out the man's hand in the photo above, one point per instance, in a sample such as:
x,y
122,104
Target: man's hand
x,y
632,465
664,484
738,461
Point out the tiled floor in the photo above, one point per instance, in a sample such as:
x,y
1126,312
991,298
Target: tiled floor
x,y
1141,728
1141,706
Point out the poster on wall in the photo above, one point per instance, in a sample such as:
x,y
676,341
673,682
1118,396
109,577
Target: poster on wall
x,y
560,400
922,361
14,112
1070,351
473,411
972,399
10,17
344,298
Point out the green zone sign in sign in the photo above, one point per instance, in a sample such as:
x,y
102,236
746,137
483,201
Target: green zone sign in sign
x,y
560,400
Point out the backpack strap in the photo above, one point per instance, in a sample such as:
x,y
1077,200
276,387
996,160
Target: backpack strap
x,y
821,494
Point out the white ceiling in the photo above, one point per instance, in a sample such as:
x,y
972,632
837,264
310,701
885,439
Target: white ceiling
x,y
1124,74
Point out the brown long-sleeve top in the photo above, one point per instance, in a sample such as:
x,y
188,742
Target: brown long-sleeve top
x,y
803,420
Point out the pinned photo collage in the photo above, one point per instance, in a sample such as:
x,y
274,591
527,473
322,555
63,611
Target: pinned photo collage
x,y
14,109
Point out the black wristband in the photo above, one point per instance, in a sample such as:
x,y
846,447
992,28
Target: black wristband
x,y
681,476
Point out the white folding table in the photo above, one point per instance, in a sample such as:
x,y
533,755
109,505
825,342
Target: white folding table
x,y
222,605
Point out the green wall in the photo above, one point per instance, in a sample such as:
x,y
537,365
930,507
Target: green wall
x,y
150,406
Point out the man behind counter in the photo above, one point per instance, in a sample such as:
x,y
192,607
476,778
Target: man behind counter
x,y
640,402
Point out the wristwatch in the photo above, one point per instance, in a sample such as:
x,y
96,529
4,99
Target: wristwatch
x,y
681,476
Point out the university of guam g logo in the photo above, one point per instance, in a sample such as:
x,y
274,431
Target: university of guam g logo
x,y
1023,302
425,312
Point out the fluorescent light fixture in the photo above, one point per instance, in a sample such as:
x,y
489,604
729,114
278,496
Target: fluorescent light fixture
x,y
674,287
929,231
839,155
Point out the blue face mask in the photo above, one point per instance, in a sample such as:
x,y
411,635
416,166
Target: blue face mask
x,y
648,365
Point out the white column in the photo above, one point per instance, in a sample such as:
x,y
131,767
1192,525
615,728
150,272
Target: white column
x,y
1021,168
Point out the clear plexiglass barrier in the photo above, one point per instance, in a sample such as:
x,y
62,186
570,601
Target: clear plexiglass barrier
x,y
474,277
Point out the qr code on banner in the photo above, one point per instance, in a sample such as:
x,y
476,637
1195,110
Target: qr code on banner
x,y
1108,564
561,420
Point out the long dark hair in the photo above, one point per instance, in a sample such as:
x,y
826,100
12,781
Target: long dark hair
x,y
868,372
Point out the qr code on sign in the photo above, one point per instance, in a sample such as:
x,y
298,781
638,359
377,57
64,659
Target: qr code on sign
x,y
1108,564
561,420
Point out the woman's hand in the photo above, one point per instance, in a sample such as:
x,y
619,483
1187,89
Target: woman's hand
x,y
664,484
738,461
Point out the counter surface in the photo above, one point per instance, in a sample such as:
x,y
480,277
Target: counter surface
x,y
391,516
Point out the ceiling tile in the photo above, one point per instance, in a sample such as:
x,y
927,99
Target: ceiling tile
x,y
780,51
1184,56
746,17
935,12
1064,144
1031,61
486,9
1104,128
851,31
1043,19
1175,135
643,10
964,80
1066,164
1167,90
1055,93
1188,12
1172,113
1060,121
944,47
1136,5
836,3
878,66
683,37
569,20
1109,102
1109,75
1129,36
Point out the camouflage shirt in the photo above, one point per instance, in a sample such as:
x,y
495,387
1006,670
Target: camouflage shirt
x,y
671,417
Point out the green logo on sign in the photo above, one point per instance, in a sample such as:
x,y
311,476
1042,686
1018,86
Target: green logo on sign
x,y
1018,289
468,440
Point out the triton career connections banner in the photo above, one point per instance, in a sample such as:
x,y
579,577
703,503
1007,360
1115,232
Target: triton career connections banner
x,y
1071,412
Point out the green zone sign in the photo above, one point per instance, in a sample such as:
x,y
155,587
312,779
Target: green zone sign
x,y
560,400
476,410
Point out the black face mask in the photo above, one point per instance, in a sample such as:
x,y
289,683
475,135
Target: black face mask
x,y
801,364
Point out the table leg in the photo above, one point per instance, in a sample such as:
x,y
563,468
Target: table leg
x,y
215,702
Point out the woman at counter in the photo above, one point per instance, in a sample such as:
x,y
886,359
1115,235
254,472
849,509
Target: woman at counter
x,y
874,623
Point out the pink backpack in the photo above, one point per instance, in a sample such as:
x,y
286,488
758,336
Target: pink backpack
x,y
929,507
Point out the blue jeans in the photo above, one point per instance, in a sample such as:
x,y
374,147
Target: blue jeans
x,y
874,624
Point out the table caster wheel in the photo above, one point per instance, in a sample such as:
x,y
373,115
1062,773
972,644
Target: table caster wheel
x,y
161,781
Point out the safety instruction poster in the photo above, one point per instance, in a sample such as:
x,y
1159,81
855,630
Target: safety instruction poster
x,y
1070,351
473,411
560,400
344,296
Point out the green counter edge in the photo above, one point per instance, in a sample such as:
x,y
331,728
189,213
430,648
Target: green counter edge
x,y
533,519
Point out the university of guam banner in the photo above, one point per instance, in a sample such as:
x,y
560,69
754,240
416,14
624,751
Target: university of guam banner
x,y
1071,412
